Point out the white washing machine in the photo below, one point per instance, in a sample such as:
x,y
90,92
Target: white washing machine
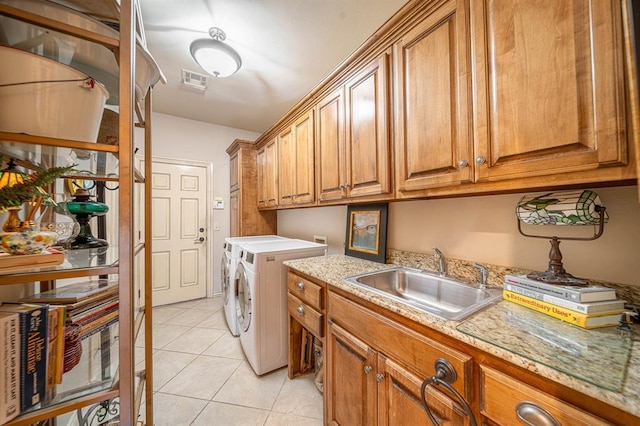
x,y
261,299
229,262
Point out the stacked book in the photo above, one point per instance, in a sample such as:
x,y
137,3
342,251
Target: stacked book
x,y
586,307
92,305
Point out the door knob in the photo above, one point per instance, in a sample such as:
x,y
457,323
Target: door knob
x,y
199,240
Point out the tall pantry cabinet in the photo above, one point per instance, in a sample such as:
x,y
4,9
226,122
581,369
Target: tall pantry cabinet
x,y
123,381
243,198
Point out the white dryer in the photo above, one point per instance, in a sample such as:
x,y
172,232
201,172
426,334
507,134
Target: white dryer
x,y
229,262
261,299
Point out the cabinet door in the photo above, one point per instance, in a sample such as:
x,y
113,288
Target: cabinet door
x,y
548,82
234,226
286,167
400,403
432,123
261,160
350,391
271,174
234,170
304,154
368,153
330,152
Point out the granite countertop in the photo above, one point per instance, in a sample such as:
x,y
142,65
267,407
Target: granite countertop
x,y
484,327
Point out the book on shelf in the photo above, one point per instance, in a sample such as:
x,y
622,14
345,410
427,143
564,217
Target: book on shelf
x,y
55,348
584,308
96,311
576,294
9,366
567,315
33,320
94,326
76,293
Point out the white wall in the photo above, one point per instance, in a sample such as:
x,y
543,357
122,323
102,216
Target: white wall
x,y
180,138
483,229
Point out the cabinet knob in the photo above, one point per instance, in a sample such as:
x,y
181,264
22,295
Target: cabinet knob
x,y
463,164
346,185
300,286
367,369
341,186
481,160
532,414
300,310
379,377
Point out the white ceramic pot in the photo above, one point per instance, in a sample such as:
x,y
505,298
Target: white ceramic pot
x,y
55,101
92,59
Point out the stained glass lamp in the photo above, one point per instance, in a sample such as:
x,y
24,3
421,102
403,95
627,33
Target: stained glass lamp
x,y
82,208
568,208
9,177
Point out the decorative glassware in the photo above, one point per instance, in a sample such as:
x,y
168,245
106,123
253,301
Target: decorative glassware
x,y
82,208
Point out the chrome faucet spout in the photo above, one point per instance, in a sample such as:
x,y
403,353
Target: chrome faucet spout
x,y
442,265
484,274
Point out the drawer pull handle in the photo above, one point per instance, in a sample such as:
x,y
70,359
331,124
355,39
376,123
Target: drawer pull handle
x,y
367,369
445,374
300,310
379,377
534,415
300,286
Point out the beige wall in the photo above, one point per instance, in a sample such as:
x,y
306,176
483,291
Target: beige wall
x,y
483,229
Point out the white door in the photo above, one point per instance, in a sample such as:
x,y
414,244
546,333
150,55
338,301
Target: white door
x,y
179,212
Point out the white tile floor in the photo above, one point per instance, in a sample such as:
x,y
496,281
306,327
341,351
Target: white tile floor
x,y
201,377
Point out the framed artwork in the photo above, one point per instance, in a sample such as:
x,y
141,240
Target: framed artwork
x,y
367,232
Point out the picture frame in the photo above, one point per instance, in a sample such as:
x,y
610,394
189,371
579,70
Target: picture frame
x,y
366,236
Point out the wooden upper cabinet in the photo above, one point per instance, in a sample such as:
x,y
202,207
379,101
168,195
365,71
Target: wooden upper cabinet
x,y
286,167
304,160
268,175
432,125
367,123
296,162
234,171
353,137
549,87
330,148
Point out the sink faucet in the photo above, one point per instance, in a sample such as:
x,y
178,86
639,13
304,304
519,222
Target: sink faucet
x,y
484,273
442,266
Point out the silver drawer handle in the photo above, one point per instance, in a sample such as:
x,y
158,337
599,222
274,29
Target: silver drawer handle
x,y
300,285
534,415
300,310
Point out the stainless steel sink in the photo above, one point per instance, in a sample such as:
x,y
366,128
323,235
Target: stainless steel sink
x,y
443,297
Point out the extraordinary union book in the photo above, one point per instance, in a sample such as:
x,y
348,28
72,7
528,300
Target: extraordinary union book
x,y
585,308
567,315
577,294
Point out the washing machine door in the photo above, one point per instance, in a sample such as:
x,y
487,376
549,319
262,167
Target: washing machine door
x,y
243,298
224,276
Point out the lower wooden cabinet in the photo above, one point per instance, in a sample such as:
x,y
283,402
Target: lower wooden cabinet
x,y
375,378
376,361
505,400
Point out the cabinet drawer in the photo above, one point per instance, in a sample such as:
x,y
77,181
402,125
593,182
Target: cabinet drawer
x,y
500,396
305,290
306,315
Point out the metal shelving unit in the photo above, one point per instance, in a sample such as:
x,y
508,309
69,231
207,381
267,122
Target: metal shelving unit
x,y
118,380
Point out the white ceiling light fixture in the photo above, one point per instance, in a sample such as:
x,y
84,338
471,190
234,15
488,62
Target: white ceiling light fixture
x,y
214,56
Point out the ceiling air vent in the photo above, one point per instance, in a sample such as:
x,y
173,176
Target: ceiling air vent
x,y
195,80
